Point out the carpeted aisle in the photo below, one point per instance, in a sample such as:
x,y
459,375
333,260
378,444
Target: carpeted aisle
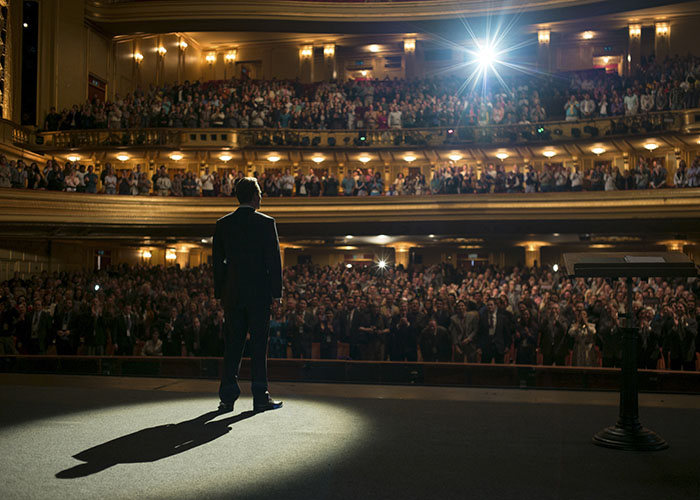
x,y
90,437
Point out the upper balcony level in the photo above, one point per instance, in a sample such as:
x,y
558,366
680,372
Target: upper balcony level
x,y
617,140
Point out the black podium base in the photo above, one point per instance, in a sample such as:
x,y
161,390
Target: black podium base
x,y
635,438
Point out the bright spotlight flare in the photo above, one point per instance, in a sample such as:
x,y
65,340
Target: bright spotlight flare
x,y
381,264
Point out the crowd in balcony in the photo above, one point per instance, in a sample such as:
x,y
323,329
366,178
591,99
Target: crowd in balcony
x,y
391,104
447,178
436,313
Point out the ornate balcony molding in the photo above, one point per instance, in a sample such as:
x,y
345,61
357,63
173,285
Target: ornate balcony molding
x,y
120,11
43,214
551,133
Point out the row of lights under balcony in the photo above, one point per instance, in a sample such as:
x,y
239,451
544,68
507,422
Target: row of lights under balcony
x,y
365,158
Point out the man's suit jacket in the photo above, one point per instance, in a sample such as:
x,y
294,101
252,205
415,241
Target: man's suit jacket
x,y
502,336
554,340
247,263
44,328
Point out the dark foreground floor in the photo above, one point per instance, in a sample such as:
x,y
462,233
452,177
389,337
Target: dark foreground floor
x,y
88,437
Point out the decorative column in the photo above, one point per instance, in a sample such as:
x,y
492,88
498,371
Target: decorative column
x,y
544,55
306,63
329,71
662,40
402,252
532,252
409,49
634,49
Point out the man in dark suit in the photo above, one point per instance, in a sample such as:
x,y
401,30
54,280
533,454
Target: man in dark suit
x,y
125,332
494,333
40,323
247,279
554,341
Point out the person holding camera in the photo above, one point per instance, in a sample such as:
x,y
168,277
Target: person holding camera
x,y
585,352
680,331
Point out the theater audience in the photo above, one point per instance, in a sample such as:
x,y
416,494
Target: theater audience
x,y
523,315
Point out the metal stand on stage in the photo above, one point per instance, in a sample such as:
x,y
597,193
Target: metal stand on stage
x,y
628,433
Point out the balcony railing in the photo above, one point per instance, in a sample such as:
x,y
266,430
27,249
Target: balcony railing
x,y
448,137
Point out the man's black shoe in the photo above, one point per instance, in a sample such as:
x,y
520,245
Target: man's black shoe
x,y
270,404
225,407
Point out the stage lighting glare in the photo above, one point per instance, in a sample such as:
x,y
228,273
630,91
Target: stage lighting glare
x,y
97,287
485,55
349,266
555,267
381,264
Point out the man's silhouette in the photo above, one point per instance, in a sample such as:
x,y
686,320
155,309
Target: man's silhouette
x,y
247,279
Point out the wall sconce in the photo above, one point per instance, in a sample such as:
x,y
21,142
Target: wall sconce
x,y
651,146
170,254
329,50
409,158
73,158
176,156
455,157
211,58
364,158
318,159
598,151
225,157
306,51
635,31
274,158
183,45
374,48
549,153
409,45
501,155
587,35
230,56
543,37
138,57
663,29
123,157
162,51
146,254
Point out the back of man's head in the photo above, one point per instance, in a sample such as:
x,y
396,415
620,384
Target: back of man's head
x,y
246,189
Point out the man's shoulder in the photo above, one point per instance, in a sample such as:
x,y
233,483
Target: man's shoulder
x,y
263,217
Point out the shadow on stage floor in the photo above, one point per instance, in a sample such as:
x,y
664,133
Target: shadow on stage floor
x,y
152,444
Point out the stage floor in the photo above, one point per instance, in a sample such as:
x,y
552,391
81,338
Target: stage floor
x,y
75,437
